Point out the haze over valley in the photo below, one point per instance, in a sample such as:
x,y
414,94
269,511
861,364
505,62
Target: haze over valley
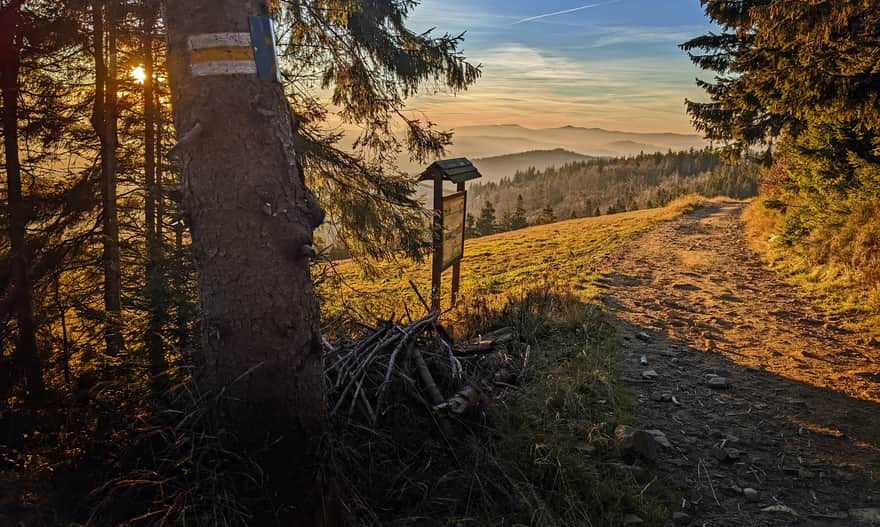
x,y
525,147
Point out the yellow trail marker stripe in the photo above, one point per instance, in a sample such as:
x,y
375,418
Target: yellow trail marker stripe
x,y
226,53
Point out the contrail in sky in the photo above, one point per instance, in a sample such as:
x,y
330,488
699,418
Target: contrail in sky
x,y
581,8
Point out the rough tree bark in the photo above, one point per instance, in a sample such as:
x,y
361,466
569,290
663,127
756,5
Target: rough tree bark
x,y
104,121
252,220
27,359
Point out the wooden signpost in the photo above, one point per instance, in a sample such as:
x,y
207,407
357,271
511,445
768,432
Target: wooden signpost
x,y
449,222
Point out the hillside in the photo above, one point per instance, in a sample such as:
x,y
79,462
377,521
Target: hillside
x,y
498,167
494,266
582,188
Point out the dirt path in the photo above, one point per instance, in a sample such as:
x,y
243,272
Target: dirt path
x,y
795,419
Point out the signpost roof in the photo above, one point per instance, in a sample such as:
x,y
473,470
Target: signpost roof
x,y
455,170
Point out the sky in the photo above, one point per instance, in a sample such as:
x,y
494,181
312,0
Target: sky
x,y
548,63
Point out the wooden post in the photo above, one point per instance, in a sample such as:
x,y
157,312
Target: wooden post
x,y
456,269
437,273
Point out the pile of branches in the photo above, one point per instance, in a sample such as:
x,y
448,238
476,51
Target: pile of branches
x,y
399,364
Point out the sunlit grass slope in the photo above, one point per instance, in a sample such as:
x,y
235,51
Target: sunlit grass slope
x,y
565,254
848,290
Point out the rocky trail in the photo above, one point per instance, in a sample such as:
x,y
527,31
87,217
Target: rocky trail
x,y
771,408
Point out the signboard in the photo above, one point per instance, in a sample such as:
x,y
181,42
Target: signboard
x,y
453,219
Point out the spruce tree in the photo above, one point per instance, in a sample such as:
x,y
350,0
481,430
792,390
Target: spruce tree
x,y
801,77
547,215
486,221
371,63
518,218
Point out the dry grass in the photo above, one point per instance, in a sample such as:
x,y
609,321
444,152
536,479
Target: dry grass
x,y
522,458
565,253
839,265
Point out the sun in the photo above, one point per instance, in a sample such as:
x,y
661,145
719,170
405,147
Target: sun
x,y
138,74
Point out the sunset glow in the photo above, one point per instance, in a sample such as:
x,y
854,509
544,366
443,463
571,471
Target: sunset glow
x,y
138,74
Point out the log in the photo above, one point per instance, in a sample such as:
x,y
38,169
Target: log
x,y
427,378
483,347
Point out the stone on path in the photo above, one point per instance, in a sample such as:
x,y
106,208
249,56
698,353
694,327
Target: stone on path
x,y
634,441
660,437
719,383
782,509
727,454
665,397
649,375
632,519
681,518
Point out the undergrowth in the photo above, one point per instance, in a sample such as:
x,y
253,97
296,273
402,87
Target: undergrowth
x,y
534,455
179,469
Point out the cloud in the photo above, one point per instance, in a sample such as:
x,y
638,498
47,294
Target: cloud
x,y
618,35
538,87
565,11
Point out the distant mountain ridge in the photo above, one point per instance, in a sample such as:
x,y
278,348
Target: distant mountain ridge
x,y
488,141
483,142
588,141
497,167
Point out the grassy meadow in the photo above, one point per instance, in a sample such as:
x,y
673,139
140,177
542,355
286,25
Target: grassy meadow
x,y
565,255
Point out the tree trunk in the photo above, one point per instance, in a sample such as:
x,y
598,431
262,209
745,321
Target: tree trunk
x,y
154,287
27,359
65,340
104,121
252,221
183,305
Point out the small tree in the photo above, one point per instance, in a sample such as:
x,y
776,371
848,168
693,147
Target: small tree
x,y
486,222
518,219
470,226
547,215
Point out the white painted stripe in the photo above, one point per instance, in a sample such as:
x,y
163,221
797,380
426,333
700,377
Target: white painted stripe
x,y
219,40
225,67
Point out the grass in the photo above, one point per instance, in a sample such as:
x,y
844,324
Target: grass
x,y
838,282
540,454
566,253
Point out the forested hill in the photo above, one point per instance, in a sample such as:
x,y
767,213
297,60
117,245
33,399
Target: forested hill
x,y
612,185
496,168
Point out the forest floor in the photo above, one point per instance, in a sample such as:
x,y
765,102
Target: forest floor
x,y
770,405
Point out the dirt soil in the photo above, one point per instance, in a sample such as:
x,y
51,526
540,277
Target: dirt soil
x,y
790,433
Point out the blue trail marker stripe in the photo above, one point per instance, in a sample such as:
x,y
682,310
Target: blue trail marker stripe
x,y
265,54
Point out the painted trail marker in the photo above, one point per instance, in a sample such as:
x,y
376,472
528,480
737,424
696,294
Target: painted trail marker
x,y
449,222
222,54
265,51
253,53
